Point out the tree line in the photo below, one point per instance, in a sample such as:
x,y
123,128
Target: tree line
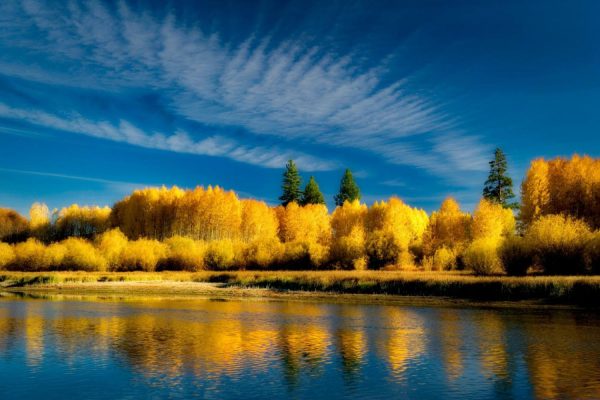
x,y
554,230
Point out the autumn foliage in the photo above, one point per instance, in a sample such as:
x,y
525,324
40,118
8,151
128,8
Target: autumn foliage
x,y
163,228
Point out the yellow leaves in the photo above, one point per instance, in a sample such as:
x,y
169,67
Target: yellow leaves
x,y
448,227
7,255
220,254
348,226
562,186
492,221
184,253
142,254
111,244
258,221
482,256
39,215
80,254
82,221
12,225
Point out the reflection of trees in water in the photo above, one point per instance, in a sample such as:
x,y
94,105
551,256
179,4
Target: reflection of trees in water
x,y
351,339
162,341
403,340
563,357
451,335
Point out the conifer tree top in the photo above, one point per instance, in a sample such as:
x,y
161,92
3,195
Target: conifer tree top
x,y
291,184
498,186
348,189
312,194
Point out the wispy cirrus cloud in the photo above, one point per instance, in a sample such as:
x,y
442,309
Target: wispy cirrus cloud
x,y
179,142
281,89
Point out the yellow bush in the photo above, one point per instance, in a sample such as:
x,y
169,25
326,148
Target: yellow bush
x,y
492,221
295,255
184,253
111,244
220,254
7,255
482,256
30,256
443,259
264,253
81,255
449,227
348,226
142,254
382,249
54,256
558,243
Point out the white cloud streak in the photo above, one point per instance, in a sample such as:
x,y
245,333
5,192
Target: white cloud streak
x,y
297,94
179,142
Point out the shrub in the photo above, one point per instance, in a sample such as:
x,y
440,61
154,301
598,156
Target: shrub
x,y
111,244
482,257
29,256
220,254
142,254
382,249
295,256
592,253
444,259
262,253
516,255
558,243
81,255
7,255
184,253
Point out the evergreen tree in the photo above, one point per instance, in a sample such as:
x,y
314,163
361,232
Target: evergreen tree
x,y
312,194
291,184
348,189
498,187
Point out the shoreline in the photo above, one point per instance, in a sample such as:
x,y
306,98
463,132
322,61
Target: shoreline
x,y
380,287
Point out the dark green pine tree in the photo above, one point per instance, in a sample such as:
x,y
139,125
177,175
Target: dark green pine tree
x,y
498,187
348,189
291,184
312,194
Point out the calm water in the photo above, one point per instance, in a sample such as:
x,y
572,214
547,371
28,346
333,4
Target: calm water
x,y
94,348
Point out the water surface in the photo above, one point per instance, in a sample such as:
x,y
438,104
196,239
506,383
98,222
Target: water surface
x,y
130,348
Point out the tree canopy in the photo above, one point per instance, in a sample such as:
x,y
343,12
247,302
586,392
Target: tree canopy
x,y
349,190
291,184
498,186
312,194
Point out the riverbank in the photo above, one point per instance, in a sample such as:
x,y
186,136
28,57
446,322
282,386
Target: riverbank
x,y
565,290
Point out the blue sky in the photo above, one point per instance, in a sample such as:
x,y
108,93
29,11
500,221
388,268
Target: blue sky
x,y
99,98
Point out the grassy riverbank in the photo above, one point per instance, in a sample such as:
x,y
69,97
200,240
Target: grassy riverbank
x,y
579,290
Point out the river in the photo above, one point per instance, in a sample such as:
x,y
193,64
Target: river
x,y
56,347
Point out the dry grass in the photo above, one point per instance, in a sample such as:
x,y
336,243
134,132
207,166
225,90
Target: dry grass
x,y
582,290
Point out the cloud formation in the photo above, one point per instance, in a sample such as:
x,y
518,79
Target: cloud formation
x,y
281,89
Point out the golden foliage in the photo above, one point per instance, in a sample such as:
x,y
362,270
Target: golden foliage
x,y
348,228
558,243
7,255
77,221
259,221
81,254
142,254
492,221
562,186
391,229
449,227
220,254
13,226
184,253
482,256
111,244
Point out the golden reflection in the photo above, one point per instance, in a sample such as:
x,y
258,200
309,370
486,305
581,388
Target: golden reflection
x,y
562,359
404,342
492,345
351,338
451,336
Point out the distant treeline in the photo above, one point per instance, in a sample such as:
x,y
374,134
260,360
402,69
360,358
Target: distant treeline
x,y
554,231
